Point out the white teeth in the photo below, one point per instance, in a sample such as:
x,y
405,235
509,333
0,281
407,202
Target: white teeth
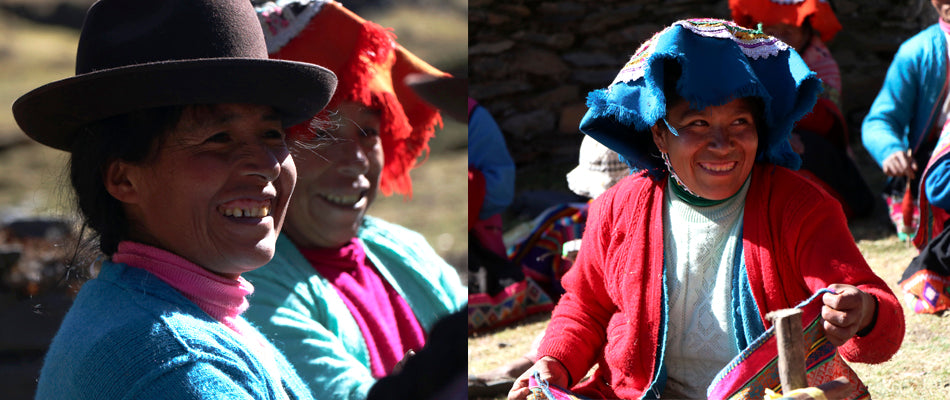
x,y
256,212
343,200
719,167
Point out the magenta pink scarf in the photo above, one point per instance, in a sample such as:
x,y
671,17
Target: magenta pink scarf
x,y
222,298
388,325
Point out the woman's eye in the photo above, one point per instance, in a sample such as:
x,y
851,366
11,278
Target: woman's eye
x,y
221,137
274,134
370,131
699,122
741,121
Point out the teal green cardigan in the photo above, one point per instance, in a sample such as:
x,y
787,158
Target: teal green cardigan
x,y
304,316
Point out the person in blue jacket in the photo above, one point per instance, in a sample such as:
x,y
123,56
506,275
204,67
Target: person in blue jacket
x,y
926,280
179,162
905,119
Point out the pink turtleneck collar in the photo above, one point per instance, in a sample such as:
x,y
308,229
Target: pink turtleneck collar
x,y
944,26
222,298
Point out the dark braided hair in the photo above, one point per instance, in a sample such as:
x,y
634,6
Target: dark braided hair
x,y
132,137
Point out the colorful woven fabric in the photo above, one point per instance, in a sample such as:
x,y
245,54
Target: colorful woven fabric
x,y
542,390
931,219
756,368
818,14
927,292
540,253
896,213
515,302
719,61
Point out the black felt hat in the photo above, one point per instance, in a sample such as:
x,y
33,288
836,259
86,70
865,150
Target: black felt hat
x,y
138,54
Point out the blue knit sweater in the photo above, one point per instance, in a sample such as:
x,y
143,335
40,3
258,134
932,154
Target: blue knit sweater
x,y
905,109
129,335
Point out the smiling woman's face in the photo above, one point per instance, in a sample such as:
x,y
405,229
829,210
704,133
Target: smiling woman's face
x,y
216,190
715,149
943,9
338,181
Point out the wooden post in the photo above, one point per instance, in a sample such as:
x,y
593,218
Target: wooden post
x,y
791,348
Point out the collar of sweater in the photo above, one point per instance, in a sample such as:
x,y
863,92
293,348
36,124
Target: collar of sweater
x,y
698,201
222,298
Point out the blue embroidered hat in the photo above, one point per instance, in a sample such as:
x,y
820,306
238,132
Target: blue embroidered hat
x,y
720,62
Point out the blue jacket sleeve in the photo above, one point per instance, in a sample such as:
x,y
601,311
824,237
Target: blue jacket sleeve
x,y
886,126
905,110
937,184
488,153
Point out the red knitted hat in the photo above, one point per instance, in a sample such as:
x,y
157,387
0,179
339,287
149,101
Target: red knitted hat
x,y
371,69
749,13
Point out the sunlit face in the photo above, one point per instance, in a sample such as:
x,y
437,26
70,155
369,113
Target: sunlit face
x,y
715,149
793,35
943,9
338,181
216,190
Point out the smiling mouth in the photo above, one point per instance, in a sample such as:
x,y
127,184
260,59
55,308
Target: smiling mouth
x,y
246,209
719,167
348,201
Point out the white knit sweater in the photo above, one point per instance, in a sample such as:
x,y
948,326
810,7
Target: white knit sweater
x,y
700,250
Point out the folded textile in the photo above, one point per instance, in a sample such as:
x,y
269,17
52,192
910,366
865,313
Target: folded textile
x,y
756,368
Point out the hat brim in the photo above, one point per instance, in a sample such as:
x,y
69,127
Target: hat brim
x,y
53,113
447,93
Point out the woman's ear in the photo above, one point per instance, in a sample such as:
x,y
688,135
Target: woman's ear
x,y
658,137
118,183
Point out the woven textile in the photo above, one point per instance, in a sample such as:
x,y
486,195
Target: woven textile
x,y
515,302
926,280
927,292
930,220
542,390
895,211
756,368
540,253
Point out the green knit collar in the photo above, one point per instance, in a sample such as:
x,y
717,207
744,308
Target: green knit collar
x,y
697,201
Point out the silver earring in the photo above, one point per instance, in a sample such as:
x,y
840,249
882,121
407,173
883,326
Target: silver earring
x,y
669,166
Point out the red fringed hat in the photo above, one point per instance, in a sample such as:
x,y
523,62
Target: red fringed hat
x,y
749,13
371,69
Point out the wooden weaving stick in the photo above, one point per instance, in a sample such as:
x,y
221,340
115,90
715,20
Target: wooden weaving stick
x,y
791,348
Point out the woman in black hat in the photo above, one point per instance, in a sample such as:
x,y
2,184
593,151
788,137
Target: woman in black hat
x,y
175,124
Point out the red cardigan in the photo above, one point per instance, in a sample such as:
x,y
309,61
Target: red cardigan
x,y
795,241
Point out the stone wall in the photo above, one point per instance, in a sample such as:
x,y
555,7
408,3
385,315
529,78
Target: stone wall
x,y
532,62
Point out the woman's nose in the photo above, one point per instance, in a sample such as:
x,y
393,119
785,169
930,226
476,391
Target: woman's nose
x,y
719,138
260,159
351,158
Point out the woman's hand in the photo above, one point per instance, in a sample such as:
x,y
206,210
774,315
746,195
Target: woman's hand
x,y
900,163
846,312
550,370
